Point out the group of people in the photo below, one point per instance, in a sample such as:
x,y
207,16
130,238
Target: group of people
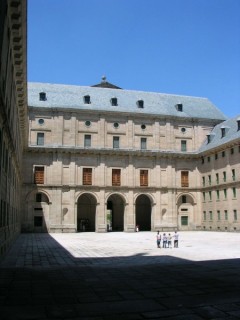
x,y
167,240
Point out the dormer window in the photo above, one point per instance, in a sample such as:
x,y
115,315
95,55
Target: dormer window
x,y
208,138
42,96
223,132
114,102
140,104
238,124
87,99
179,107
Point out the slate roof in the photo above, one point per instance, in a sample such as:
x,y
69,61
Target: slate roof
x,y
216,139
71,96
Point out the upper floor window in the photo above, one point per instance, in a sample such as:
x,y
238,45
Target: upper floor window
x,y
184,179
38,197
204,215
87,176
87,140
219,214
217,178
238,124
115,142
224,176
232,150
223,132
203,181
183,145
143,178
40,138
39,175
116,177
209,180
233,175
226,214
114,102
87,99
179,107
235,215
223,154
216,156
140,104
143,143
42,96
184,199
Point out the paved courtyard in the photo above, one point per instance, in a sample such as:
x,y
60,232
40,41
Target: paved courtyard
x,y
121,276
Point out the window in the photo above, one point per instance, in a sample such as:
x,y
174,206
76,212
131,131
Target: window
x,y
224,176
217,178
225,193
42,96
143,178
88,123
203,181
235,215
39,175
184,220
184,179
116,177
209,180
226,214
87,176
183,130
183,145
115,142
208,138
232,151
40,139
234,192
114,102
143,143
223,154
223,132
41,122
140,104
210,195
233,175
143,126
219,215
210,215
116,125
204,215
38,221
202,160
38,197
87,140
218,194
184,199
204,196
179,107
208,159
87,99
216,156
238,124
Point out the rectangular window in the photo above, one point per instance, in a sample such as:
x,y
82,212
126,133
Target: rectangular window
x,y
203,181
217,178
38,197
224,176
184,199
204,196
210,215
233,175
208,159
226,214
219,215
232,150
40,139
223,154
218,194
204,216
143,178
234,192
39,175
225,193
116,177
209,180
87,140
87,176
143,143
210,195
115,142
38,221
216,156
235,215
184,220
184,179
183,145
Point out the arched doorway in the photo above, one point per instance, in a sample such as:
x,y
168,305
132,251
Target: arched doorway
x,y
185,206
143,212
115,209
86,213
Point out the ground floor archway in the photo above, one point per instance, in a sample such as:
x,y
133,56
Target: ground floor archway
x,y
86,213
115,209
143,212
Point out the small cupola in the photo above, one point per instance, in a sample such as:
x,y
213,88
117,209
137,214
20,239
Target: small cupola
x,y
42,96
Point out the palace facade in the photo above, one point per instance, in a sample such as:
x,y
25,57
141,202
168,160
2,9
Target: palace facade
x,y
102,158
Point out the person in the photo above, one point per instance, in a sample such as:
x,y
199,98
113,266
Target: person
x,y
164,240
158,240
175,239
137,228
169,241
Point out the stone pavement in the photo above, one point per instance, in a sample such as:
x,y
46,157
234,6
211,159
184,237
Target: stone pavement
x,y
121,276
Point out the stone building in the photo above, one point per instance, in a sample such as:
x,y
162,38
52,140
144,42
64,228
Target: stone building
x,y
13,116
101,158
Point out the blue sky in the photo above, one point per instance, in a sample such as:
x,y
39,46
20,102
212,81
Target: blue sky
x,y
185,47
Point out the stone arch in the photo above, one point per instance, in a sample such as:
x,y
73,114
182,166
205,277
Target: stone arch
x,y
116,203
143,211
31,194
86,212
185,211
